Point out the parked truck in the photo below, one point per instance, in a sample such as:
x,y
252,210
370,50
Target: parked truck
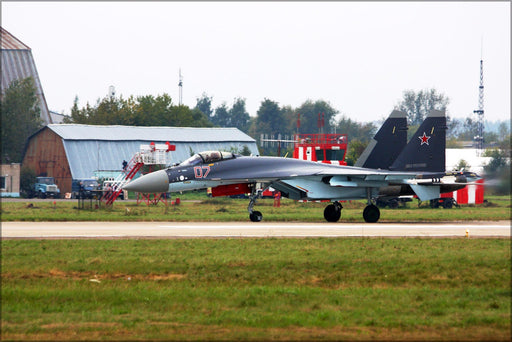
x,y
46,187
84,188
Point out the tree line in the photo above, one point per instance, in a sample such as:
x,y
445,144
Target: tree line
x,y
20,117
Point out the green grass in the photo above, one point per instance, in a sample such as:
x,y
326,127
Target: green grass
x,y
226,209
243,289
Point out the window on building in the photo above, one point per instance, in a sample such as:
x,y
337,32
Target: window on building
x,y
334,154
2,182
319,155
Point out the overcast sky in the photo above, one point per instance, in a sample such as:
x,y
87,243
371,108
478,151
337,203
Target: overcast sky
x,y
359,57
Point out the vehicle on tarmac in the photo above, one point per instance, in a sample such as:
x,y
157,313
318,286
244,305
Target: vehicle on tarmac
x,y
84,188
45,187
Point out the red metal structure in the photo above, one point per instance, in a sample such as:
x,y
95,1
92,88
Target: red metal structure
x,y
152,154
470,194
325,148
110,195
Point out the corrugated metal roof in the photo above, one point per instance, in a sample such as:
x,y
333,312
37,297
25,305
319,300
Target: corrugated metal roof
x,y
17,63
85,157
143,133
9,42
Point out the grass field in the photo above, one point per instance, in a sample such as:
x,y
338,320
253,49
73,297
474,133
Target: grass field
x,y
259,289
227,209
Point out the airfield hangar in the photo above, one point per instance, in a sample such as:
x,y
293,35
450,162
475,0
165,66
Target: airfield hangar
x,y
17,64
72,151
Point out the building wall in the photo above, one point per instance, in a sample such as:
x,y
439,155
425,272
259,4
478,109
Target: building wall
x,y
10,180
45,154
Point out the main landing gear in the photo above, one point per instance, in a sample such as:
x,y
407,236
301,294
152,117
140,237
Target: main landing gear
x,y
371,213
332,212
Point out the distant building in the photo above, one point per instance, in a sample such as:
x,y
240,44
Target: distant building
x,y
476,162
71,151
17,64
10,180
57,118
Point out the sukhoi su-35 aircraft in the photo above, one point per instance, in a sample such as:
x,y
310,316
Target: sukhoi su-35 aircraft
x,y
418,168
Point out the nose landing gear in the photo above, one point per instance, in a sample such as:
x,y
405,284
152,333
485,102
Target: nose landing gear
x,y
254,215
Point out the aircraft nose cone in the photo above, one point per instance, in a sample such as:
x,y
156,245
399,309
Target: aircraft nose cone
x,y
152,182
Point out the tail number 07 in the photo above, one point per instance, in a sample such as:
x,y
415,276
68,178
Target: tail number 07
x,y
201,171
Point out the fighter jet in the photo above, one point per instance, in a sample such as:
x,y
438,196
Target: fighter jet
x,y
230,174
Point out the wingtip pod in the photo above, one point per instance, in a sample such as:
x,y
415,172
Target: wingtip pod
x,y
387,143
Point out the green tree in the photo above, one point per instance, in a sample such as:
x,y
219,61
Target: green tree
x,y
27,181
498,168
20,118
239,116
462,165
497,163
146,110
309,116
354,150
269,120
355,130
222,117
418,104
204,104
78,116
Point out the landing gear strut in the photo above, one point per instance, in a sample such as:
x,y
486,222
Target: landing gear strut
x,y
332,212
371,213
254,215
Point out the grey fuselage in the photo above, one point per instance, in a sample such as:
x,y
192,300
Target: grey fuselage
x,y
296,179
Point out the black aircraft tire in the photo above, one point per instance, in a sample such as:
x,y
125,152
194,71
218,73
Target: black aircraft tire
x,y
256,216
371,214
448,204
332,213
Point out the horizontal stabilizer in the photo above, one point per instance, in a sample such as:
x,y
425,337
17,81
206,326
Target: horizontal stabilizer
x,y
425,192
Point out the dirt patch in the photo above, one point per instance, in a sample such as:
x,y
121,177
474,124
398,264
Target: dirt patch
x,y
181,331
72,275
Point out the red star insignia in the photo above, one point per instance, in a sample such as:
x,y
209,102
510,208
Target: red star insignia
x,y
424,139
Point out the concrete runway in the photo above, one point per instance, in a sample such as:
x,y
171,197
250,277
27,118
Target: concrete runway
x,y
241,229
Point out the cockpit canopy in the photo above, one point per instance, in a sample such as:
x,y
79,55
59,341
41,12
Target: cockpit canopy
x,y
207,157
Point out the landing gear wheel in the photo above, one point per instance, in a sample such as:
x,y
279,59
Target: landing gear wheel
x,y
371,213
448,204
256,216
332,213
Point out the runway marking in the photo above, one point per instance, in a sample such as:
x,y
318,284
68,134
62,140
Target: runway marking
x,y
339,226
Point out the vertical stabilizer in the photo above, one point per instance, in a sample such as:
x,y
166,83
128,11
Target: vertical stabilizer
x,y
427,148
387,144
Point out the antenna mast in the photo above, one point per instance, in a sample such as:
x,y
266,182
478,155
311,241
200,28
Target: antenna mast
x,y
180,85
479,139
